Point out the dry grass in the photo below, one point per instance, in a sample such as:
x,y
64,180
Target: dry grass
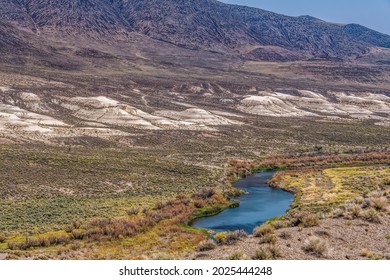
x,y
263,230
379,203
268,238
144,231
322,191
370,208
316,246
278,224
2,237
262,254
230,238
370,255
371,215
80,184
206,245
270,252
285,235
133,211
355,211
309,220
45,240
237,255
275,251
312,161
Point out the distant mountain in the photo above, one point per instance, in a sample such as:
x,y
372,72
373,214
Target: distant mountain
x,y
367,35
195,24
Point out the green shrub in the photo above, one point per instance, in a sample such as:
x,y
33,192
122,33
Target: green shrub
x,y
220,237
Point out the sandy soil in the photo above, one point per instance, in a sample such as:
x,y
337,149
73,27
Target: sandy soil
x,y
345,239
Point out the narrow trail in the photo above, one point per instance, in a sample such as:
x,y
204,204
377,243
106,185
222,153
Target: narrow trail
x,y
145,101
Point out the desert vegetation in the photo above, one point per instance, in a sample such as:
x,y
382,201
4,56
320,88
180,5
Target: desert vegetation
x,y
270,252
330,205
144,230
336,188
316,246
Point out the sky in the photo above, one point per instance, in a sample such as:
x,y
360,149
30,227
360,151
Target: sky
x,y
374,14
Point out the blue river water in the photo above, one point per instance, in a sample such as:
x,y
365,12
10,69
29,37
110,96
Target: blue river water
x,y
259,204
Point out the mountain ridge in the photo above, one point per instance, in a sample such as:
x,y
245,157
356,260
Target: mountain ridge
x,y
197,24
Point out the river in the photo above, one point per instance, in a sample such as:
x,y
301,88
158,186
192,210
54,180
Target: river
x,y
259,204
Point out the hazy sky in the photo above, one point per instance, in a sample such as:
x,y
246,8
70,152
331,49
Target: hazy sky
x,y
374,14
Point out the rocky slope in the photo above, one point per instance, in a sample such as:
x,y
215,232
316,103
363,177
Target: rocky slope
x,y
196,24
